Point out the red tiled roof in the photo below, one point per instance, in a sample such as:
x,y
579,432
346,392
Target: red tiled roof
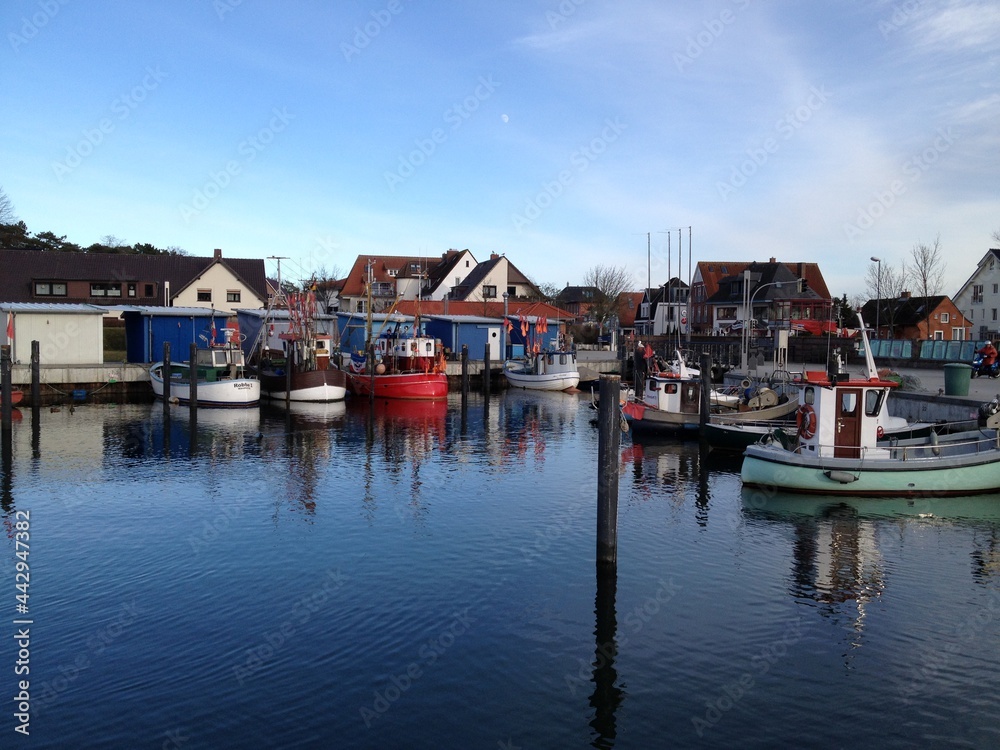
x,y
483,309
626,312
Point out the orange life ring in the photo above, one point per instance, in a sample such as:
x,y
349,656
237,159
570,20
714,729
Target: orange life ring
x,y
805,420
880,431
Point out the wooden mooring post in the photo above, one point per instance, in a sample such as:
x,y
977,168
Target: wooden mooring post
x,y
193,382
465,373
36,379
608,444
165,372
706,388
6,390
486,371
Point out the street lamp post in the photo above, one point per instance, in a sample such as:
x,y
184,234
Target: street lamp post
x,y
878,293
748,317
503,329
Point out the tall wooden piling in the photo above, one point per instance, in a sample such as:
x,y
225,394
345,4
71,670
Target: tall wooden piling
x,y
486,371
193,381
706,388
465,373
165,371
608,444
289,365
6,390
36,378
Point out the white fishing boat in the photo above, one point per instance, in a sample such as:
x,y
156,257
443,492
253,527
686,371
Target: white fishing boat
x,y
543,371
222,380
671,403
836,449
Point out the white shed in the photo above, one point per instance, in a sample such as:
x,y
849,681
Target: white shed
x,y
67,334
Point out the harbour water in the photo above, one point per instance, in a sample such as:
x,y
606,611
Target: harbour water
x,y
416,576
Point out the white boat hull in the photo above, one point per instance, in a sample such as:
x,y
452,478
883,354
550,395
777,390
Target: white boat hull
x,y
315,394
236,392
554,382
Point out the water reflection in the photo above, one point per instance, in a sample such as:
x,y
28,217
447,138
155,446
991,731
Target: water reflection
x,y
677,470
607,696
836,556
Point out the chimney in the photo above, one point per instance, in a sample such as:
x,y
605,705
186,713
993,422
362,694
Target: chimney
x,y
773,260
905,295
494,256
218,253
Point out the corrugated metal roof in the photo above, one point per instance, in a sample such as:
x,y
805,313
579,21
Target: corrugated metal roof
x,y
50,308
177,312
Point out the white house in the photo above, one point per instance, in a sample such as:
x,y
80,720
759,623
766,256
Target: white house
x,y
979,297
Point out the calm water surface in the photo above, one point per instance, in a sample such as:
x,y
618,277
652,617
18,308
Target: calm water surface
x,y
411,578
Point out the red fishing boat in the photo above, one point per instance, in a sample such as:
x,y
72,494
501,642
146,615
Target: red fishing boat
x,y
16,394
401,363
406,366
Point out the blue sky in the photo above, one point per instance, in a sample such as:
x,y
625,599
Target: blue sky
x,y
558,133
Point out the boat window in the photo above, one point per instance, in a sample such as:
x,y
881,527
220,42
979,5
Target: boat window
x,y
550,359
429,346
848,403
874,399
562,359
670,388
809,396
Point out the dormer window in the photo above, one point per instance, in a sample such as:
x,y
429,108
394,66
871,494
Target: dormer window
x,y
105,290
50,289
393,272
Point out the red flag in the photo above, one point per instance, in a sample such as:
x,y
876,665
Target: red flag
x,y
647,352
10,327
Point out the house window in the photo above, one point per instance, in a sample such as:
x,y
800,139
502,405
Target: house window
x,y
512,291
149,290
644,310
131,290
977,294
393,272
360,306
938,335
994,311
233,295
204,295
995,288
467,264
489,291
958,334
945,317
105,290
50,288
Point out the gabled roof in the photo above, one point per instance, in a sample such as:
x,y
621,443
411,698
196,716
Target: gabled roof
x,y
712,273
628,307
434,269
761,274
21,267
904,311
584,294
482,309
992,253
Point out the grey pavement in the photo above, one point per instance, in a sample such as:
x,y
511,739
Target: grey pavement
x,y
920,380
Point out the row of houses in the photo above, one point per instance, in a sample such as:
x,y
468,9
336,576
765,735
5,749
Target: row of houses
x,y
469,301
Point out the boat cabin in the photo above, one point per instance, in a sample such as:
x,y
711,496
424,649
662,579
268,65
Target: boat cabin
x,y
839,416
673,393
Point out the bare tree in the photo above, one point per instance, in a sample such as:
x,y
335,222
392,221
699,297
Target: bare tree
x,y
927,271
610,282
6,209
322,281
886,287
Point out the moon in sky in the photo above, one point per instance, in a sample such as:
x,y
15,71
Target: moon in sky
x,y
505,118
